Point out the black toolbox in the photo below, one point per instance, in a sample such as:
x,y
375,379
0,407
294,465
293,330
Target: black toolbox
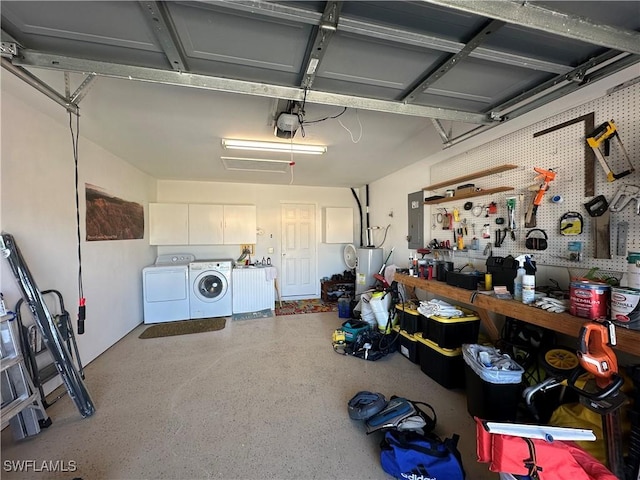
x,y
505,269
468,281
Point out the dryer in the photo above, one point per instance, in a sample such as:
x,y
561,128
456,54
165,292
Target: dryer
x,y
210,288
165,288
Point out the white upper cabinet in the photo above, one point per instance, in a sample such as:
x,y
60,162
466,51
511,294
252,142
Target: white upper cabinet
x,y
239,224
201,224
205,224
168,224
338,225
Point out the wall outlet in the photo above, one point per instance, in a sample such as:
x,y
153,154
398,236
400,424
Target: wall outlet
x,y
248,246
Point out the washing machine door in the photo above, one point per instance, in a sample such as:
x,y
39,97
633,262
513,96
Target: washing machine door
x,y
210,286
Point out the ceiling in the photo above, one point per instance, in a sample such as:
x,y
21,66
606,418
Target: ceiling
x,y
159,84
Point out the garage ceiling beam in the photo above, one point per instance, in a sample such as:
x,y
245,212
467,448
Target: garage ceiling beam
x,y
31,58
441,70
38,84
381,32
536,17
161,23
323,35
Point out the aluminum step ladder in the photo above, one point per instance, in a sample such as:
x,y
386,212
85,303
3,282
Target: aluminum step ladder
x,y
53,341
22,406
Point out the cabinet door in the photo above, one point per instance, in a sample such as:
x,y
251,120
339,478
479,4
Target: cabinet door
x,y
168,224
205,224
239,224
338,225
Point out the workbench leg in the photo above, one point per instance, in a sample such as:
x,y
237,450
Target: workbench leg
x,y
489,325
275,284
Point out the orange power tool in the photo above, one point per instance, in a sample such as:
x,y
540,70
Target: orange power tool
x,y
596,355
603,395
547,176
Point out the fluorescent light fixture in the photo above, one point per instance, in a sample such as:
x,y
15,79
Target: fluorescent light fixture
x,y
273,147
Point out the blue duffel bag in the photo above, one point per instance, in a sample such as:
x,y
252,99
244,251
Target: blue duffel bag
x,y
411,456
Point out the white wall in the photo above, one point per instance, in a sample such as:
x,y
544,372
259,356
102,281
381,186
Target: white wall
x,y
38,209
268,200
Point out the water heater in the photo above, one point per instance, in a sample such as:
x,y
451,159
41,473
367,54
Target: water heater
x,y
369,262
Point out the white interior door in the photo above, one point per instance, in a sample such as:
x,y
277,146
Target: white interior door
x,y
298,250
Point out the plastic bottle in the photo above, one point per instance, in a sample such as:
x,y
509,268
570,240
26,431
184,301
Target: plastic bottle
x,y
528,288
517,283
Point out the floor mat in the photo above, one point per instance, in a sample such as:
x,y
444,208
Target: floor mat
x,y
296,307
267,313
184,327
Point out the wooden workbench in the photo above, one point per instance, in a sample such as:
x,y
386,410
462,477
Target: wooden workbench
x,y
628,340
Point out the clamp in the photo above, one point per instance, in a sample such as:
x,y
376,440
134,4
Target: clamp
x,y
624,195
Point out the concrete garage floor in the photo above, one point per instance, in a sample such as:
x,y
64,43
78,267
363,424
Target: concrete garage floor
x,y
263,398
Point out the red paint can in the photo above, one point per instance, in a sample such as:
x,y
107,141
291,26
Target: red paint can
x,y
589,300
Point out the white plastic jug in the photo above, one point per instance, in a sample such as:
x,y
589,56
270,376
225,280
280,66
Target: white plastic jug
x,y
633,270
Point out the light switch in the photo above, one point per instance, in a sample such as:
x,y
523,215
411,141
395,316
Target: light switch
x,y
270,250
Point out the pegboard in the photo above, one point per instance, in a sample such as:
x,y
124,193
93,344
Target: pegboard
x,y
563,151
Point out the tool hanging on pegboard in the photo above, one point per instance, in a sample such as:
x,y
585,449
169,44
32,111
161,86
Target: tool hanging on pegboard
x,y
598,209
547,176
624,196
600,142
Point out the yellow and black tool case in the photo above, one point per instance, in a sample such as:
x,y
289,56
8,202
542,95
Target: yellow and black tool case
x,y
444,365
408,317
452,332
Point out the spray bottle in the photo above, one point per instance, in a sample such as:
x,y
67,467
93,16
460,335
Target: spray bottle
x,y
517,283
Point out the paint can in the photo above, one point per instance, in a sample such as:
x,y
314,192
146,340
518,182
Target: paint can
x,y
625,307
633,270
589,300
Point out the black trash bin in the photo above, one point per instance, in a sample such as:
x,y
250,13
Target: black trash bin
x,y
492,394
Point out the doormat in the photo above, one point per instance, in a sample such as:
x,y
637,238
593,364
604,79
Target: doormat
x,y
267,313
314,305
184,327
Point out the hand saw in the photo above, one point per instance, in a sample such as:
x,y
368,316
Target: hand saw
x,y
601,137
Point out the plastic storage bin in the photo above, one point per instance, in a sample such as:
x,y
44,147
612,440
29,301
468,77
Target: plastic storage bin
x,y
452,332
408,317
491,394
444,365
408,346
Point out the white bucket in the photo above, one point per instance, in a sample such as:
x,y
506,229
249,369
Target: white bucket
x,y
633,270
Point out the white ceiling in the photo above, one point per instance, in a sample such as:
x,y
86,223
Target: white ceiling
x,y
384,56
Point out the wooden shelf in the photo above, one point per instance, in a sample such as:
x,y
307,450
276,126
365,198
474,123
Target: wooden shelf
x,y
471,176
628,340
463,196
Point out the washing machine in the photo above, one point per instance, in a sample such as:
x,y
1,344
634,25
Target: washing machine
x,y
210,288
165,288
